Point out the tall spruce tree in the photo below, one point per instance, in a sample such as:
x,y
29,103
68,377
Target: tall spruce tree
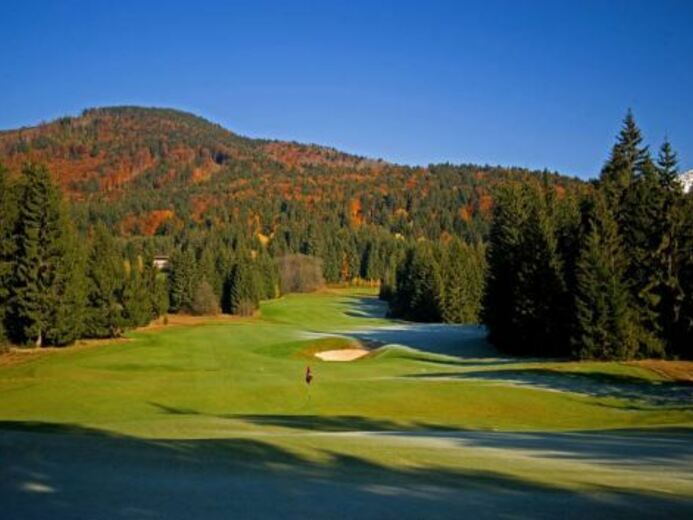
x,y
510,213
627,159
105,280
667,166
541,287
8,217
642,227
463,281
183,280
68,294
419,286
138,307
682,328
604,325
244,294
672,258
47,292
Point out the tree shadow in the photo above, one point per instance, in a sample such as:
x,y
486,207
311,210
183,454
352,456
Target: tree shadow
x,y
595,384
75,472
365,307
665,447
463,341
311,422
628,446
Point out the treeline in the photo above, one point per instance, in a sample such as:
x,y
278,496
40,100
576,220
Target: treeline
x,y
552,266
55,287
437,281
605,272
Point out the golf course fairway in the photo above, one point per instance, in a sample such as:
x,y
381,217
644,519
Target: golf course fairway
x,y
215,420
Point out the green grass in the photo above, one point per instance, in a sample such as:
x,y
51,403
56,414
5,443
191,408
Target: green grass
x,y
244,380
256,367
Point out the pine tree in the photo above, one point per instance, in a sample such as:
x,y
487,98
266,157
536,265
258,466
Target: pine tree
x,y
419,286
681,339
105,280
269,276
244,294
510,213
46,288
137,295
667,163
8,217
627,159
541,287
672,258
68,292
463,281
604,322
183,280
160,297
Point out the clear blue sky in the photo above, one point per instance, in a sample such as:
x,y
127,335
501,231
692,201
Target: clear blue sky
x,y
528,83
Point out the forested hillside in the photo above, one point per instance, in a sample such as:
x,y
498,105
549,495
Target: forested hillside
x,y
156,172
553,266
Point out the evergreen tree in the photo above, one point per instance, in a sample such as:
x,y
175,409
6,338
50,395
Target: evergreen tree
x,y
463,282
672,258
643,225
46,287
244,294
160,299
183,280
627,159
419,286
604,323
681,309
105,280
68,292
269,276
510,213
8,217
667,163
137,294
541,289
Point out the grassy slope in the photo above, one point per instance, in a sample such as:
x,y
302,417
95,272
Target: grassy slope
x,y
185,382
236,390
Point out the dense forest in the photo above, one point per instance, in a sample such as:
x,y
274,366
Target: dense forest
x,y
553,266
600,271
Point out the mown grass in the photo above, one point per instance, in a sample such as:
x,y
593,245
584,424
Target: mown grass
x,y
191,381
230,395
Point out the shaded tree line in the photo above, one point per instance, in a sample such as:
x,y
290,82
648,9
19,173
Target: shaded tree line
x,y
604,272
437,281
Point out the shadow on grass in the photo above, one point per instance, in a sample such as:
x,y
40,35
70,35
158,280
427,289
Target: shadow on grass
x,y
365,307
321,423
628,446
69,471
464,341
662,447
596,384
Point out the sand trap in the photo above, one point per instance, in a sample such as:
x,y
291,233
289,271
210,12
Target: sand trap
x,y
345,354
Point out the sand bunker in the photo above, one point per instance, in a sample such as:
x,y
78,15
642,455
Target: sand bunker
x,y
345,354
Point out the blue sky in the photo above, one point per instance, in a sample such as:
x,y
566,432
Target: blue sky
x,y
527,83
